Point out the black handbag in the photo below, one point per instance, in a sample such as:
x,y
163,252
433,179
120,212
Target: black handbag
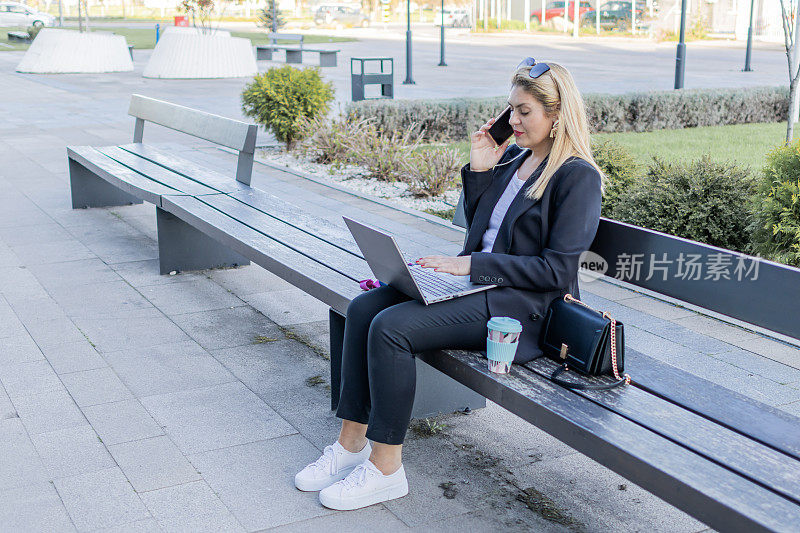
x,y
586,340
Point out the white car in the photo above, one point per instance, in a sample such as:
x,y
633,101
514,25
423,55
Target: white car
x,y
454,18
16,14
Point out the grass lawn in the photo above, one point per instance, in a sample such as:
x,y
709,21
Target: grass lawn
x,y
145,38
746,144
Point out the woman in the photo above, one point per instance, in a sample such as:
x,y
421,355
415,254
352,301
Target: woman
x,y
532,209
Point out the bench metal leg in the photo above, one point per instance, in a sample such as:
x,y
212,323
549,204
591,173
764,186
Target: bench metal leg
x,y
182,247
294,56
89,190
436,393
264,54
327,59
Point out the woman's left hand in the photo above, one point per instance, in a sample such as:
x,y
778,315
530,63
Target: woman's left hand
x,y
458,266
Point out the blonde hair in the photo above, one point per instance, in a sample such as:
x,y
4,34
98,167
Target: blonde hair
x,y
556,91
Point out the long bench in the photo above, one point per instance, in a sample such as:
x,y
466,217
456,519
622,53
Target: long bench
x,y
294,53
727,460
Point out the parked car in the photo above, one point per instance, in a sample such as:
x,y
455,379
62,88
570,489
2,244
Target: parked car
x,y
556,9
453,18
16,14
614,15
340,16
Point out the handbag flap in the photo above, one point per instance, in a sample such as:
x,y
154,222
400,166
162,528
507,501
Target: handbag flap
x,y
580,329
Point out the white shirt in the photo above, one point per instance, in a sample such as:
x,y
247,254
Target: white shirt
x,y
500,210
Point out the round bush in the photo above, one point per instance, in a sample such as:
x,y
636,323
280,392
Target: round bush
x,y
620,168
776,208
283,97
705,201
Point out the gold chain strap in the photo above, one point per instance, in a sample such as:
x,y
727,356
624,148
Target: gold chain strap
x,y
570,298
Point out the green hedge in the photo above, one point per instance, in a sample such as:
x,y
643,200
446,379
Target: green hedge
x,y
454,119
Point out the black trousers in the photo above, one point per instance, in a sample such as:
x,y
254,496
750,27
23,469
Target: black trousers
x,y
383,330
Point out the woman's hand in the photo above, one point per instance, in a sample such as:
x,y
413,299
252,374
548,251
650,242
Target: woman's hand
x,y
484,152
458,266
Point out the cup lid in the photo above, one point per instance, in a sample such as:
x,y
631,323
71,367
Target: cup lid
x,y
504,324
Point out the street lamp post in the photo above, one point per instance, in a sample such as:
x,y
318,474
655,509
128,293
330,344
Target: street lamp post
x,y
409,80
680,58
749,40
441,51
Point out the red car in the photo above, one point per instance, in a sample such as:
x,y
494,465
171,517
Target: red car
x,y
556,9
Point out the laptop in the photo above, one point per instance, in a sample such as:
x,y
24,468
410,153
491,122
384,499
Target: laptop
x,y
388,264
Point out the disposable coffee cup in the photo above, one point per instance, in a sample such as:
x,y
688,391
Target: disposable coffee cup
x,y
502,342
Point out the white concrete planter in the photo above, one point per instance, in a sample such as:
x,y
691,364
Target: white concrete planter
x,y
186,53
57,51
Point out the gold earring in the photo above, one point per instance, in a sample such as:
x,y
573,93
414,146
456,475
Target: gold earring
x,y
553,130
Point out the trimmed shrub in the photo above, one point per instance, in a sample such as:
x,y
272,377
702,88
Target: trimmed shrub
x,y
432,172
620,168
455,119
282,97
705,201
776,207
33,31
331,142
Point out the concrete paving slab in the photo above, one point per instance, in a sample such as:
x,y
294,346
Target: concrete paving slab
x,y
146,273
93,387
373,518
772,349
288,307
215,417
49,412
73,357
77,273
100,499
167,368
27,379
72,451
19,282
40,233
715,328
49,333
264,471
190,297
115,334
36,309
7,409
10,326
52,252
19,349
792,408
110,299
153,463
250,279
21,465
125,249
225,328
578,488
34,507
758,364
119,422
149,525
657,308
192,507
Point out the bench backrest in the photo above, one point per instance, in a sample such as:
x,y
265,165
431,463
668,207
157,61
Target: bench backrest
x,y
275,37
224,131
757,291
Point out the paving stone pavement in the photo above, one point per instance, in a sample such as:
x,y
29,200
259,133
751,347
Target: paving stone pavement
x,y
131,401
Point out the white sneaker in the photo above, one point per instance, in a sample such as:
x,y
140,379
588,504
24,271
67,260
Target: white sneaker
x,y
366,485
334,465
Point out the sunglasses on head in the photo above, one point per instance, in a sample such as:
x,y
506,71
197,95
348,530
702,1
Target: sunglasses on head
x,y
537,69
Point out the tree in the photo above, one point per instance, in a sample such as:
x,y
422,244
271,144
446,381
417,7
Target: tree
x,y
265,17
201,12
790,37
84,4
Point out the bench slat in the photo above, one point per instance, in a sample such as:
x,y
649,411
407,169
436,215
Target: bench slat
x,y
302,242
155,172
317,280
120,176
727,448
217,129
217,181
709,492
758,421
271,205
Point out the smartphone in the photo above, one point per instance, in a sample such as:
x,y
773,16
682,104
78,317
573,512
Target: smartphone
x,y
501,129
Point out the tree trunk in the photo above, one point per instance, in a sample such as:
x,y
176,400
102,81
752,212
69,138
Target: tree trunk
x,y
793,102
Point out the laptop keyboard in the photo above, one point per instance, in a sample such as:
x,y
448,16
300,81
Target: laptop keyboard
x,y
434,285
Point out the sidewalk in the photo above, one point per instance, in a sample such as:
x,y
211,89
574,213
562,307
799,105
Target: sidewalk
x,y
138,402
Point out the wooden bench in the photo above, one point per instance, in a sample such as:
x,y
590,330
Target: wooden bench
x,y
725,459
294,54
19,36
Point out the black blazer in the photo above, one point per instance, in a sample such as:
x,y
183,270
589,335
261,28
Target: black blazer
x,y
535,256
